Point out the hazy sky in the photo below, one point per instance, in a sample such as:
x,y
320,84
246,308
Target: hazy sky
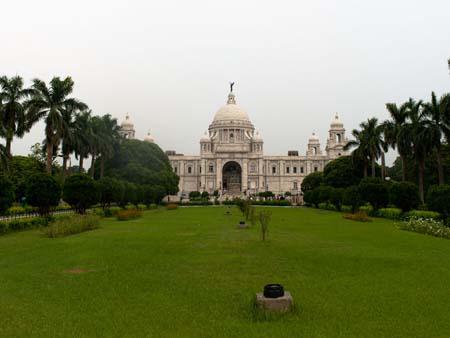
x,y
168,63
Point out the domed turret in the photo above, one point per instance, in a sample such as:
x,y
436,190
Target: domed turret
x,y
336,122
313,138
257,137
149,138
127,128
205,137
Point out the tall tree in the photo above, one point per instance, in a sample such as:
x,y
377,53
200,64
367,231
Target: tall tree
x,y
372,138
396,135
417,128
95,141
51,102
14,117
437,111
361,151
82,136
109,140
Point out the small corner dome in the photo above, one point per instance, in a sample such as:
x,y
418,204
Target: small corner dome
x,y
149,138
127,122
205,137
313,138
257,137
336,122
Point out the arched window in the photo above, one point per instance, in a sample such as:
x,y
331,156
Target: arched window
x,y
231,138
189,170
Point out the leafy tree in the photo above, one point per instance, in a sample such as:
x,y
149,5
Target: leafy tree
x,y
404,195
81,192
352,197
142,163
153,194
396,134
312,181
437,111
14,117
325,192
341,172
336,197
375,192
20,169
82,134
43,192
361,152
111,191
438,199
52,102
6,193
312,197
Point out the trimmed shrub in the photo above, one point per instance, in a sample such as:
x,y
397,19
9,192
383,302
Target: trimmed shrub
x,y
404,195
327,206
43,192
346,208
275,203
438,199
375,192
6,194
359,216
423,214
368,209
110,191
69,225
391,213
81,192
426,226
312,181
336,197
127,214
352,198
194,195
311,197
205,195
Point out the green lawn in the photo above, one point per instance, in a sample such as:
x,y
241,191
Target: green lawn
x,y
192,273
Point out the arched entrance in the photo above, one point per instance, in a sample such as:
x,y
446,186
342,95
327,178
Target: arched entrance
x,y
232,177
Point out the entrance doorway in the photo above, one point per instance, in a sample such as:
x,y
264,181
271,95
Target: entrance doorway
x,y
232,177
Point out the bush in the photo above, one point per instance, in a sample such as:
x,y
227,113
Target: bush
x,y
360,216
194,194
368,209
23,224
127,214
375,192
336,197
110,191
391,213
311,197
352,198
327,206
312,181
69,225
6,194
205,195
426,226
275,203
404,195
423,214
81,192
346,208
172,206
43,192
438,199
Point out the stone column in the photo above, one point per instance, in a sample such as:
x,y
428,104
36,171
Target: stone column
x,y
244,174
181,173
261,186
203,174
218,174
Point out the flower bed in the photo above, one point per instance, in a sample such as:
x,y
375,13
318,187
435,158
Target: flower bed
x,y
426,226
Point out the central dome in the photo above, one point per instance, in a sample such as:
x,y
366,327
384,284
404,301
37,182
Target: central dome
x,y
231,112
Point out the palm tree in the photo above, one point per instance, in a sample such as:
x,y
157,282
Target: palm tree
x,y
395,133
95,141
14,117
372,132
361,151
3,154
51,102
82,134
109,140
436,112
384,148
417,128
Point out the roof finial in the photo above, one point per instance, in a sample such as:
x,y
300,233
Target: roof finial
x,y
231,97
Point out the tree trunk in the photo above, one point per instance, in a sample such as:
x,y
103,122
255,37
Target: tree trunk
x,y
440,167
92,165
64,166
383,166
421,174
102,166
365,168
402,157
8,147
80,169
49,157
373,165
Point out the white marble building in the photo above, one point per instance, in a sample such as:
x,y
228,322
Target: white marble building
x,y
232,158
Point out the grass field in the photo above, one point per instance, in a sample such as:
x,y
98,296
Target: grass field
x,y
192,273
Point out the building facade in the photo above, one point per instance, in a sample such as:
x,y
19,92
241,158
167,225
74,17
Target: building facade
x,y
232,159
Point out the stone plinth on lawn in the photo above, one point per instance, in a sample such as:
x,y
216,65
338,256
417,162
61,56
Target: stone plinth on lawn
x,y
280,304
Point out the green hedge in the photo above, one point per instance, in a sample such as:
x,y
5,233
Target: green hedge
x,y
391,213
22,224
423,214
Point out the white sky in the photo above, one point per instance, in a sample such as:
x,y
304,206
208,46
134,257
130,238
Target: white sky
x,y
168,63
